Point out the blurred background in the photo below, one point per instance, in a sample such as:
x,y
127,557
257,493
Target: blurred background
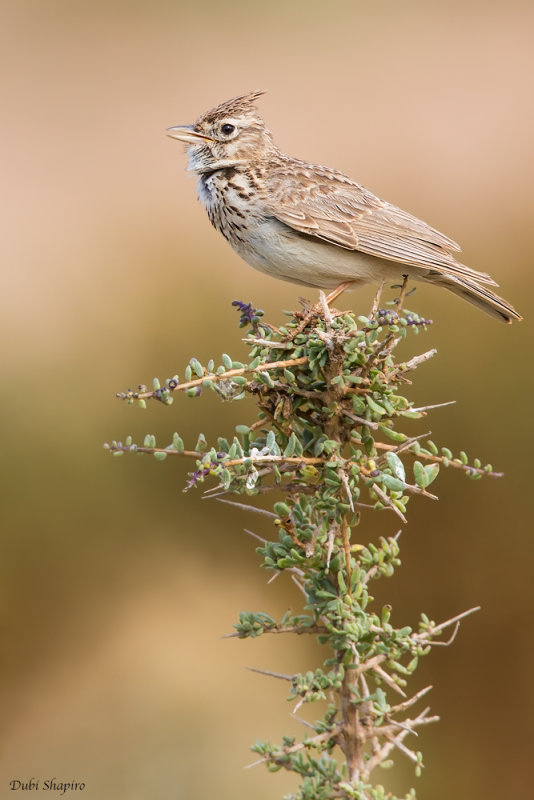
x,y
116,586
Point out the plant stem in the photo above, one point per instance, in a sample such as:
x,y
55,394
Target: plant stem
x,y
352,739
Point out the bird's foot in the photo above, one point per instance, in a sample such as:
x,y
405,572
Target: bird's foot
x,y
320,309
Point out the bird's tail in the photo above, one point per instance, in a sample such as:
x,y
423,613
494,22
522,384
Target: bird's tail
x,y
479,296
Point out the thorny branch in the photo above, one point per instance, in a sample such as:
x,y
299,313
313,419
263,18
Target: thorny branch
x,y
319,439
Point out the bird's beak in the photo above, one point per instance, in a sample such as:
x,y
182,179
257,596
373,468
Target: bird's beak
x,y
187,134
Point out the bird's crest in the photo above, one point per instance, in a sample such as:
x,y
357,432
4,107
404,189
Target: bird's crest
x,y
234,107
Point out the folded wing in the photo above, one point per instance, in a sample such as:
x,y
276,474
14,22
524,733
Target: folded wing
x,y
324,203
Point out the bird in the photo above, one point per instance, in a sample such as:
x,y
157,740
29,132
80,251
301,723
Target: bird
x,y
312,225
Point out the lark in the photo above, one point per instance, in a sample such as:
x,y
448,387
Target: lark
x,y
312,225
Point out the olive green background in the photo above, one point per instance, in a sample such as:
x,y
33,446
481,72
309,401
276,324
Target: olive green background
x,y
116,586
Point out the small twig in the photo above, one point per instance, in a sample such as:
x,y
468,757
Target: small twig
x,y
330,545
260,423
389,502
267,343
415,362
289,527
411,701
382,753
214,492
299,585
299,630
293,390
150,450
365,687
432,631
313,742
389,680
301,720
414,489
361,420
346,546
436,405
406,750
255,536
400,448
370,664
232,462
450,640
447,462
345,482
279,675
246,507
392,725
230,373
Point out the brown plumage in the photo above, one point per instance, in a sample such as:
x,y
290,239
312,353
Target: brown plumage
x,y
310,224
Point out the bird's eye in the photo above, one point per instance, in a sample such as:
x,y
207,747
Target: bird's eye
x,y
227,129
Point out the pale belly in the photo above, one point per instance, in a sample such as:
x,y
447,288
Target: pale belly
x,y
276,250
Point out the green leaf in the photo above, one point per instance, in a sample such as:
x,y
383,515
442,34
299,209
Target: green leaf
x,y
178,443
201,442
291,446
421,478
265,378
431,472
282,509
392,434
375,407
396,465
197,367
358,404
393,484
288,375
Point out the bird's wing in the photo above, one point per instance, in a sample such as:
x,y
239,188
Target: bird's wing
x,y
326,204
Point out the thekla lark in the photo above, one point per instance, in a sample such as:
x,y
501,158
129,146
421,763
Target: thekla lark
x,y
313,225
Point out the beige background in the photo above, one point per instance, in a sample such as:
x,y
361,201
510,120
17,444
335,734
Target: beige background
x,y
115,585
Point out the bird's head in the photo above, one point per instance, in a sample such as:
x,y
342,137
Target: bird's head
x,y
230,135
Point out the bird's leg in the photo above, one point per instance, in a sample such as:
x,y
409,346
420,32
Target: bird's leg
x,y
335,293
401,298
319,307
326,310
376,301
